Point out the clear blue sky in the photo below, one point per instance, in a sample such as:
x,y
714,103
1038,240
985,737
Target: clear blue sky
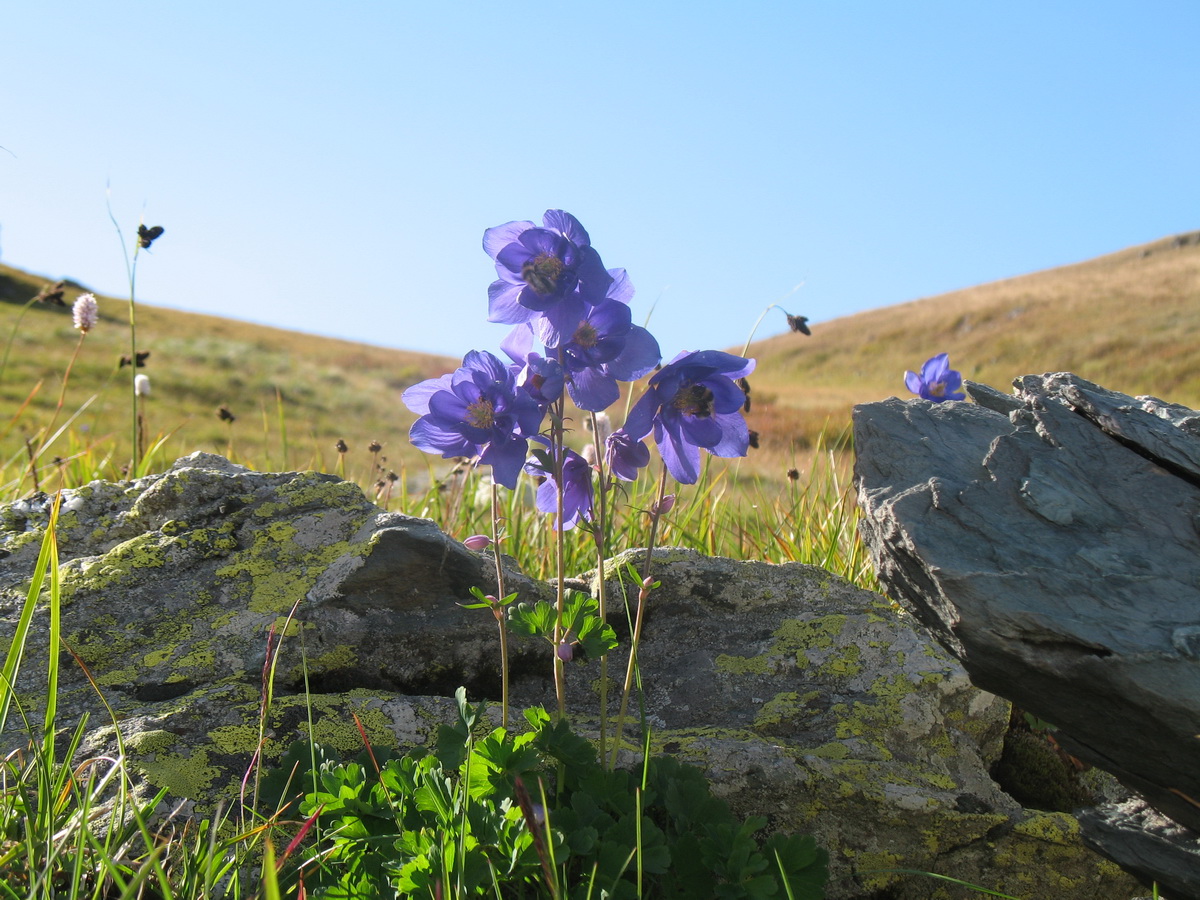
x,y
331,167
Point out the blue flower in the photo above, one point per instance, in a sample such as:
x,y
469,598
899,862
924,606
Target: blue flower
x,y
548,275
606,347
694,402
578,496
541,378
603,348
625,455
937,381
476,411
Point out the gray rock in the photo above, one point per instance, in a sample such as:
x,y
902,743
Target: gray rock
x,y
1146,843
1050,543
805,699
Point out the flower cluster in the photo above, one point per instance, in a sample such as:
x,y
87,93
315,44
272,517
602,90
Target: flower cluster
x,y
573,336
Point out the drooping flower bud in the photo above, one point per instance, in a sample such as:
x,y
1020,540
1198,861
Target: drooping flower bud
x,y
565,651
478,542
663,506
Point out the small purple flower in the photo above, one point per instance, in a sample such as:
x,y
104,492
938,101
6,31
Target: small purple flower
x,y
606,347
476,411
694,402
625,455
937,381
477,542
541,378
577,487
547,274
565,651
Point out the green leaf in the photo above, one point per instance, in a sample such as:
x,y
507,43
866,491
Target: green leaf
x,y
533,621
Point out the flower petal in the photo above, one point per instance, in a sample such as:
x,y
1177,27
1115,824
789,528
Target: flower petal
x,y
506,458
504,305
681,458
417,397
496,239
429,435
568,226
593,389
638,359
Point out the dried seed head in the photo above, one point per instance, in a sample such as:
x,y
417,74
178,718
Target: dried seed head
x,y
798,323
341,446
374,446
754,439
225,415
793,474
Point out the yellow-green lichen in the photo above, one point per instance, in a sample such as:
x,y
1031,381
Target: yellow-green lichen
x,y
185,776
275,571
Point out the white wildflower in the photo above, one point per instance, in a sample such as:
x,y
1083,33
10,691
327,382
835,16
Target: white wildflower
x,y
85,312
141,385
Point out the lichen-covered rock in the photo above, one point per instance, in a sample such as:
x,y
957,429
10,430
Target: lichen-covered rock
x,y
805,699
822,707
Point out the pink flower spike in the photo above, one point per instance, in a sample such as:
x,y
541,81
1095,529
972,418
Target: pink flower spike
x,y
85,312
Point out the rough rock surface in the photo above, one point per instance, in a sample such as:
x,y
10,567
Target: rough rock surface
x,y
1049,539
806,699
1146,843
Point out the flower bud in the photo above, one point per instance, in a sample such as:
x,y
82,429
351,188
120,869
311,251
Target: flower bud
x,y
663,506
565,652
141,385
478,542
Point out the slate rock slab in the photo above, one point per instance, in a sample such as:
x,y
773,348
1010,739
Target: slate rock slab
x,y
1050,541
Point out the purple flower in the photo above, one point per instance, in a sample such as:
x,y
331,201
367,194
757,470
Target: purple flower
x,y
547,275
606,347
541,378
476,411
577,487
477,542
625,455
937,381
694,402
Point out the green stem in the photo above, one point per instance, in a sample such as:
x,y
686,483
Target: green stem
x,y
556,453
763,315
131,272
643,595
602,589
47,435
500,594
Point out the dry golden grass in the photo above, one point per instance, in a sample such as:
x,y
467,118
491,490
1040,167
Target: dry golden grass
x,y
328,389
1129,321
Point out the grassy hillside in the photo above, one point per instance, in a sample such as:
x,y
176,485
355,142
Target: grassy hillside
x,y
326,389
1129,321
